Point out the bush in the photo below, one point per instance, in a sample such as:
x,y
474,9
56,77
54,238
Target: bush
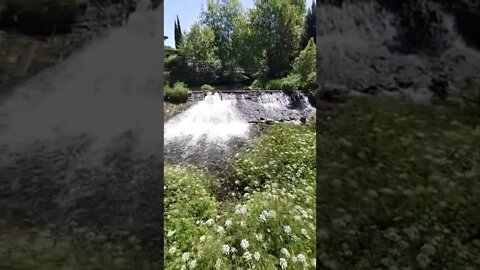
x,y
266,163
40,17
207,87
311,82
171,61
177,94
256,228
305,64
289,83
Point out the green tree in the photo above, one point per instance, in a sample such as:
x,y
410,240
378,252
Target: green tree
x,y
199,48
225,17
178,33
310,28
277,26
304,65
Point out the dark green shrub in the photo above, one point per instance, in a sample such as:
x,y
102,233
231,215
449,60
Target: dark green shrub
x,y
40,17
171,61
289,83
177,94
310,83
274,84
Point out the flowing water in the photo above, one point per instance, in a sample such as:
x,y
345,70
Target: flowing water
x,y
80,143
218,124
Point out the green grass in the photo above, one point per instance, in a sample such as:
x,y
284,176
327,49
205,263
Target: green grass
x,y
276,218
30,249
399,187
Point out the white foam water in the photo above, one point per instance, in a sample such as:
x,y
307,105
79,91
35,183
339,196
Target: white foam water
x,y
214,120
110,87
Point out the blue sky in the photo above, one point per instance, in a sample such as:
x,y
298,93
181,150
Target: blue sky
x,y
188,11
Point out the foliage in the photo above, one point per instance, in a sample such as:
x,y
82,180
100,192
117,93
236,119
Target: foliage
x,y
263,227
207,87
171,61
238,45
266,163
400,187
277,26
224,17
305,64
39,17
310,29
177,94
199,48
289,83
48,249
178,33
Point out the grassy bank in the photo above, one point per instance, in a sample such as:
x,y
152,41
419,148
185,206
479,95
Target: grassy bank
x,y
33,249
267,221
400,186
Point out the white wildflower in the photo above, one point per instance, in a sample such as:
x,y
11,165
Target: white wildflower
x,y
192,264
172,250
247,256
287,229
262,217
243,223
241,209
226,249
294,259
244,244
285,252
233,249
259,237
170,233
185,256
283,263
220,230
202,238
209,222
301,258
256,256
228,223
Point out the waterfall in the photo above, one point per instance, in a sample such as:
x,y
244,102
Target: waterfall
x,y
110,87
217,123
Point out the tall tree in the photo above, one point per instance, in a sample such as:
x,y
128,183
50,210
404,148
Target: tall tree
x,y
225,17
199,48
178,33
310,29
277,27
